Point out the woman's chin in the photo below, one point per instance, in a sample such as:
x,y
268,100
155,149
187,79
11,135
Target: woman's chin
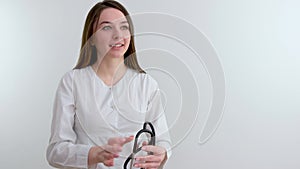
x,y
116,54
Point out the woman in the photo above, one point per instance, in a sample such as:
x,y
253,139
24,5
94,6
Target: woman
x,y
105,99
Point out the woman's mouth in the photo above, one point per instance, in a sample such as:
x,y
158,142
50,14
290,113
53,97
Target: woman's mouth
x,y
116,45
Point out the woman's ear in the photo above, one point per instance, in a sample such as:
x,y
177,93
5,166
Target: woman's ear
x,y
91,41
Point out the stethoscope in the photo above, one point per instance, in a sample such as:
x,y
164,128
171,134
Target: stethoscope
x,y
136,149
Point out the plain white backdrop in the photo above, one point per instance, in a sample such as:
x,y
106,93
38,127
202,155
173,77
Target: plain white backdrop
x,y
258,46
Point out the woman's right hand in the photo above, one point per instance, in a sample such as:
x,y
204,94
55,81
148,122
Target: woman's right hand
x,y
106,154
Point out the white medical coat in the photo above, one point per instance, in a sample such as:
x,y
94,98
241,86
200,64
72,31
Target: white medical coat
x,y
87,112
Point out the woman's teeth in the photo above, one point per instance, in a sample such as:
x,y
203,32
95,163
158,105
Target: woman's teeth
x,y
116,45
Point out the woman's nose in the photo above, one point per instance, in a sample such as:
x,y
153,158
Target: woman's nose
x,y
117,34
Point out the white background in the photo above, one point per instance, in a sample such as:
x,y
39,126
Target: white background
x,y
258,45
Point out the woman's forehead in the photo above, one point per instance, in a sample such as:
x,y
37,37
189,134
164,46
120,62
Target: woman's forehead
x,y
112,15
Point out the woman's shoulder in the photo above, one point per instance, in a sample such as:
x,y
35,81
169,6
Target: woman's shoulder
x,y
69,75
143,79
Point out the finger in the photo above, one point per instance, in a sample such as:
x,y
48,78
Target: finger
x,y
145,143
104,156
114,149
148,158
109,163
128,139
120,140
147,165
115,140
108,156
154,149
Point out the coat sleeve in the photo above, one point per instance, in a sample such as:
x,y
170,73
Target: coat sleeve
x,y
156,115
62,150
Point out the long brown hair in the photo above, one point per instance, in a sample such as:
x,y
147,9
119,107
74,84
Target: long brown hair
x,y
88,53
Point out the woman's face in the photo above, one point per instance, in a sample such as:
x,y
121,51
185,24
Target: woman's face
x,y
112,36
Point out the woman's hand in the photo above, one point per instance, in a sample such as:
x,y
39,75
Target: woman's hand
x,y
106,154
151,161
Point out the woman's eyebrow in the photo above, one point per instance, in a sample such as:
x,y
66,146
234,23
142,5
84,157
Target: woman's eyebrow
x,y
108,22
124,22
105,22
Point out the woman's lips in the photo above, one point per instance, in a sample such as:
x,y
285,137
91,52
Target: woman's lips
x,y
116,45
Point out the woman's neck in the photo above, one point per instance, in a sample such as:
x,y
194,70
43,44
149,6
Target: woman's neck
x,y
110,71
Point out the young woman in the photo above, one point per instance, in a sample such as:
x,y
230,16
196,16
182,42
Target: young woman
x,y
102,103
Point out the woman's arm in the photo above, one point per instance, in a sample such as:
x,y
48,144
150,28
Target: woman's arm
x,y
62,150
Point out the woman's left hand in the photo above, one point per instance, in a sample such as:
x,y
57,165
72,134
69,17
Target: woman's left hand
x,y
151,161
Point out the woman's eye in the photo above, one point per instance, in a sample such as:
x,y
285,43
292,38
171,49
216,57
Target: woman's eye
x,y
106,28
125,27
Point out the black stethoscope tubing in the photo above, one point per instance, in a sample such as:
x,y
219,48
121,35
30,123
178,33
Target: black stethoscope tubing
x,y
137,149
